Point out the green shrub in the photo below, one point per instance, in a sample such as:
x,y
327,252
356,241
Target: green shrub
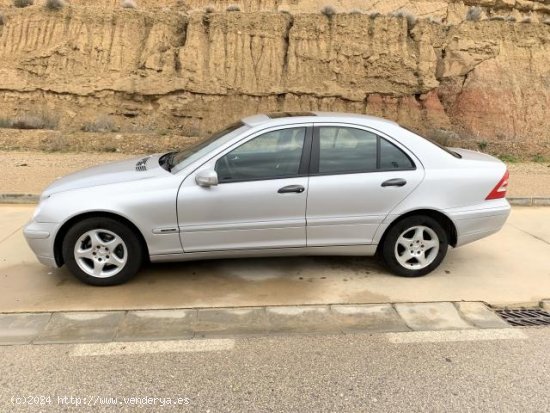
x,y
508,158
482,145
539,158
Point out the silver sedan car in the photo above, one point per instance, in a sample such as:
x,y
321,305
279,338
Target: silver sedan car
x,y
276,184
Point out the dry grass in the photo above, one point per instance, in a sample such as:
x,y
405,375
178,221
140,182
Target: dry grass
x,y
129,4
32,122
54,4
474,14
38,120
443,137
328,11
23,3
411,18
233,7
102,124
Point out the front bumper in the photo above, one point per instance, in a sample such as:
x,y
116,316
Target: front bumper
x,y
40,237
475,224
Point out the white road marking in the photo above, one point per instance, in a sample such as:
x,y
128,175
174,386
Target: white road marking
x,y
456,335
152,347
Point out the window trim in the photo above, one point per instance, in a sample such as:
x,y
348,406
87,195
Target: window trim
x,y
316,152
305,158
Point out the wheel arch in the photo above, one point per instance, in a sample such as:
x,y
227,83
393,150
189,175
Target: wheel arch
x,y
446,222
62,232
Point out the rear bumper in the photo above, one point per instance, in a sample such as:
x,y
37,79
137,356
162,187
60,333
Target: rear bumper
x,y
474,224
40,237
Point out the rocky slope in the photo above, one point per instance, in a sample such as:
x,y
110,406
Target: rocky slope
x,y
171,65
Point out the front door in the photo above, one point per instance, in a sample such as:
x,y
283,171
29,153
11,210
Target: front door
x,y
357,178
260,200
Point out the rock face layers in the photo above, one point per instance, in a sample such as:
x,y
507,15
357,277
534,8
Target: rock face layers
x,y
159,68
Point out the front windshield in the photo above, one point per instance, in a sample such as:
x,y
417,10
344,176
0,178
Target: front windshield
x,y
186,157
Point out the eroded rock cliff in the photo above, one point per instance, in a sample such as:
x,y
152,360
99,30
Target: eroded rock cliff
x,y
173,65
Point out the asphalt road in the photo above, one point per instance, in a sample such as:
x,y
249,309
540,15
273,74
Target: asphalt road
x,y
383,372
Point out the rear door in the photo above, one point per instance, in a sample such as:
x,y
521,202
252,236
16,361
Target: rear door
x,y
357,178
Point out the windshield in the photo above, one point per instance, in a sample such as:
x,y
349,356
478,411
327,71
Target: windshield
x,y
180,160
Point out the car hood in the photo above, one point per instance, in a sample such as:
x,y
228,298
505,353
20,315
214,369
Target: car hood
x,y
135,169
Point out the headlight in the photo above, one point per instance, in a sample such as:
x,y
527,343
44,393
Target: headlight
x,y
38,209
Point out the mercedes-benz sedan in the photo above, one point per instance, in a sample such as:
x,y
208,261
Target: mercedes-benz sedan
x,y
274,185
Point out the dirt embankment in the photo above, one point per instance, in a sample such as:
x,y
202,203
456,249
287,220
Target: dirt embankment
x,y
170,65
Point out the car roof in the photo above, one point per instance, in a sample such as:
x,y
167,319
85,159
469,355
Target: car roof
x,y
281,118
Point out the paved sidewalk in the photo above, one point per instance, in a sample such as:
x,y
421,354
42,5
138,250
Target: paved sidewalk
x,y
508,268
87,327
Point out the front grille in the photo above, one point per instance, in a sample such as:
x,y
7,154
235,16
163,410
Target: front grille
x,y
141,165
525,317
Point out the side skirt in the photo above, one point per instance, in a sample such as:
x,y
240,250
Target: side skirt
x,y
346,250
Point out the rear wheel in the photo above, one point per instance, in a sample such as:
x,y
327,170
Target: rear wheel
x,y
415,246
102,251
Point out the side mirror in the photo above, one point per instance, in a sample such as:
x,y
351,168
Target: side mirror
x,y
207,178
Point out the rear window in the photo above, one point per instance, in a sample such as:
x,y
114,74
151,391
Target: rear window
x,y
444,148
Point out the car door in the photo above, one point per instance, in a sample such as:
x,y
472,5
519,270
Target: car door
x,y
357,178
260,199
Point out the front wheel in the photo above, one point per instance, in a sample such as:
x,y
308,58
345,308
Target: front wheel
x,y
102,251
415,246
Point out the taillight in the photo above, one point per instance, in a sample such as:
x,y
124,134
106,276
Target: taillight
x,y
499,191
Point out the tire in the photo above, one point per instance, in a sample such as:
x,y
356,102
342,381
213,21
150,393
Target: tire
x,y
426,245
102,251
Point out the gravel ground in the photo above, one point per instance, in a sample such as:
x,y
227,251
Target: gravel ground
x,y
31,172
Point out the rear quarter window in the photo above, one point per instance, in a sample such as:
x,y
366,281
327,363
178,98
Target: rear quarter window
x,y
391,157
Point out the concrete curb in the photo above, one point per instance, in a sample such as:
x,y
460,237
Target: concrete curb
x,y
530,201
33,199
19,198
185,324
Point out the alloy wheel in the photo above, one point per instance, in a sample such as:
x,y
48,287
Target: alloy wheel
x,y
416,247
100,253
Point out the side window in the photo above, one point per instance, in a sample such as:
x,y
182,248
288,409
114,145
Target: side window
x,y
346,150
275,154
391,157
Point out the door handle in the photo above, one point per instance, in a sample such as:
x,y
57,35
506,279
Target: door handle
x,y
291,188
394,182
